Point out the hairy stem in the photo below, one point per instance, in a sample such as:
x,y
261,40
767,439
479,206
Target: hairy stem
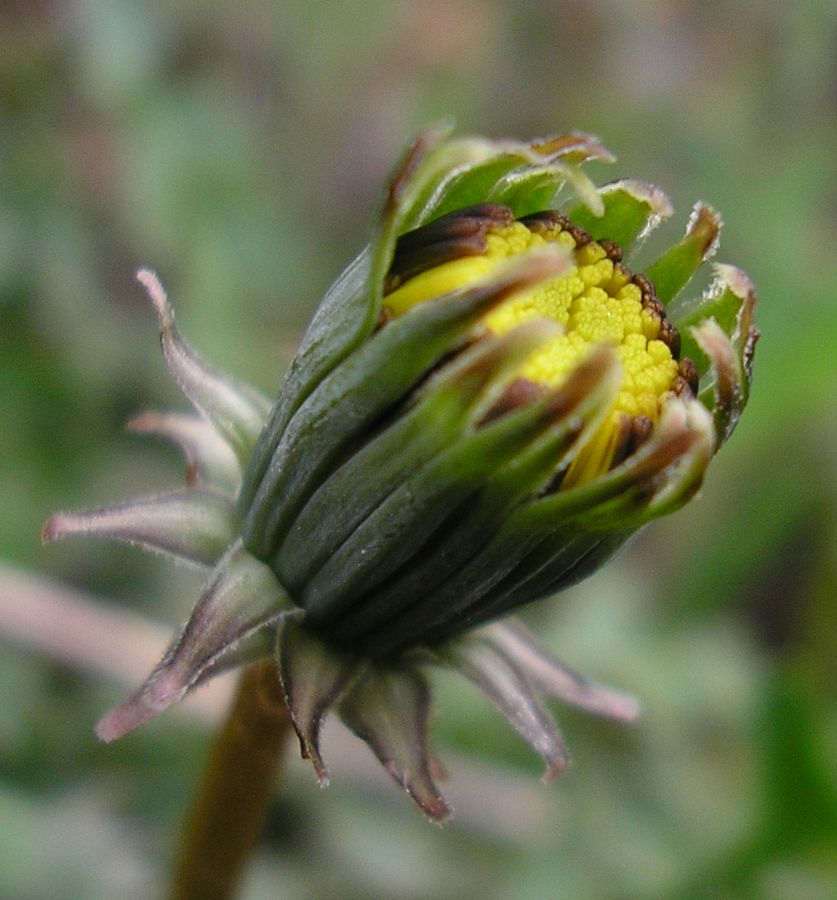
x,y
228,812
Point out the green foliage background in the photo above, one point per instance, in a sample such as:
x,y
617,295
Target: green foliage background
x,y
239,149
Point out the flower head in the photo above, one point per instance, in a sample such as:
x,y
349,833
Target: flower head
x,y
488,403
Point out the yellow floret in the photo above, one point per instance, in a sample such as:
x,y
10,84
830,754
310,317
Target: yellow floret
x,y
439,281
590,253
595,303
650,325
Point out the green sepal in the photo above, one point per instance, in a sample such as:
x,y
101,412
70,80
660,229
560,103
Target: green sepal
x,y
388,708
675,268
681,428
451,403
422,504
313,677
718,333
542,574
435,177
344,318
531,189
586,524
235,410
554,554
367,384
575,521
723,302
472,580
631,210
428,620
191,524
438,177
730,301
472,187
509,688
419,186
241,598
497,555
534,567
475,183
585,398
351,308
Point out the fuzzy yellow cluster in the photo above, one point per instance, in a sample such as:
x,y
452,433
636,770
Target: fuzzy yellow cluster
x,y
595,303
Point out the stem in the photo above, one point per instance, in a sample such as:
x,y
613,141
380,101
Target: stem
x,y
228,812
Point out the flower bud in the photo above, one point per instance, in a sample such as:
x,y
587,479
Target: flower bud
x,y
489,402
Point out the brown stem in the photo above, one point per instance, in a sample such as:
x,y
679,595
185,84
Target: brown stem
x,y
228,812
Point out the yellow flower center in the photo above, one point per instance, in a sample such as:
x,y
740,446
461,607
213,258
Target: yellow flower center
x,y
596,302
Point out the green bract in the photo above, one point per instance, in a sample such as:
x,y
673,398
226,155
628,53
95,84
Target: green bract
x,y
412,482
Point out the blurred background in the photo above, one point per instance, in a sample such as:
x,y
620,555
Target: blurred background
x,y
239,148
